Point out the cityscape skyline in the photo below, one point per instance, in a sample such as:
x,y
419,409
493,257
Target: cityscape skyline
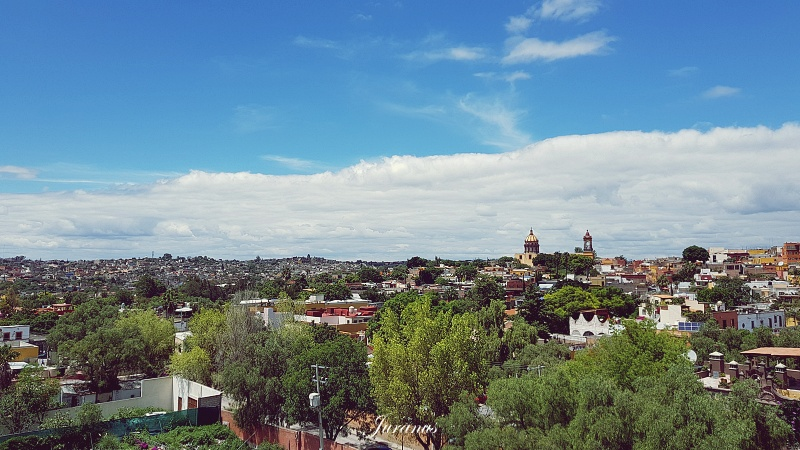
x,y
380,131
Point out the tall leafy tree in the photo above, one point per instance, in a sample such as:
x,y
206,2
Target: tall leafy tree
x,y
7,354
485,289
694,253
25,403
196,360
635,351
345,392
149,287
562,303
157,337
252,360
422,362
369,274
95,339
730,291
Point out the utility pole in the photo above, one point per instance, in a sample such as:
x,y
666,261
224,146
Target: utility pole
x,y
315,399
538,369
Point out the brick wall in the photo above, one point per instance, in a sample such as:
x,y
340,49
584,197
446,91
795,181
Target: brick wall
x,y
287,438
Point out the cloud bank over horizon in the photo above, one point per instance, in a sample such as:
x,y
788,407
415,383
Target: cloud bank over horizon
x,y
640,194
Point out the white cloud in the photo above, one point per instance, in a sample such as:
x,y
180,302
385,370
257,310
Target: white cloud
x,y
721,91
20,173
361,17
509,77
304,41
683,71
518,24
533,49
501,123
451,53
639,194
292,163
568,10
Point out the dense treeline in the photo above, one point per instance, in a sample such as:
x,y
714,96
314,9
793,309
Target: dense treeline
x,y
485,380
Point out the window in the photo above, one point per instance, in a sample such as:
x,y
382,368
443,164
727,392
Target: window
x,y
19,336
7,336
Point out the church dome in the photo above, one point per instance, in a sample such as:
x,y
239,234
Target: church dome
x,y
531,237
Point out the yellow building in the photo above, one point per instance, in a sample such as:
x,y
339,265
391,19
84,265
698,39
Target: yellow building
x,y
531,250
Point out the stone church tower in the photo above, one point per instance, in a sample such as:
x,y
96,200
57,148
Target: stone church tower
x,y
531,250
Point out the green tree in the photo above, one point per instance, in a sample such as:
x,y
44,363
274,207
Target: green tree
x,y
399,272
334,291
7,354
9,301
104,355
416,261
618,303
685,273
251,361
96,340
580,265
157,338
730,291
517,337
635,351
760,424
787,337
206,327
43,323
563,303
464,418
694,254
396,303
422,362
25,403
195,286
485,289
193,364
466,272
323,278
369,274
345,394
149,287
271,288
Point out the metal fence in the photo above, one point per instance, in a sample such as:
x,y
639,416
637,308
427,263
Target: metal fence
x,y
153,423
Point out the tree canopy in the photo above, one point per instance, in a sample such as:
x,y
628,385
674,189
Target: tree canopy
x,y
694,253
730,291
422,361
647,397
345,393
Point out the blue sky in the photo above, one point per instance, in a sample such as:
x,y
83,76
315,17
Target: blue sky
x,y
114,104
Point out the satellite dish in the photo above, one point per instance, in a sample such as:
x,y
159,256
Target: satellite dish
x,y
691,356
780,263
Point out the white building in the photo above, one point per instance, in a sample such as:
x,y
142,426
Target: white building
x,y
14,333
595,322
749,320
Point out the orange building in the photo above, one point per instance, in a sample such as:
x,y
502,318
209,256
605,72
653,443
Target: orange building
x,y
791,253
